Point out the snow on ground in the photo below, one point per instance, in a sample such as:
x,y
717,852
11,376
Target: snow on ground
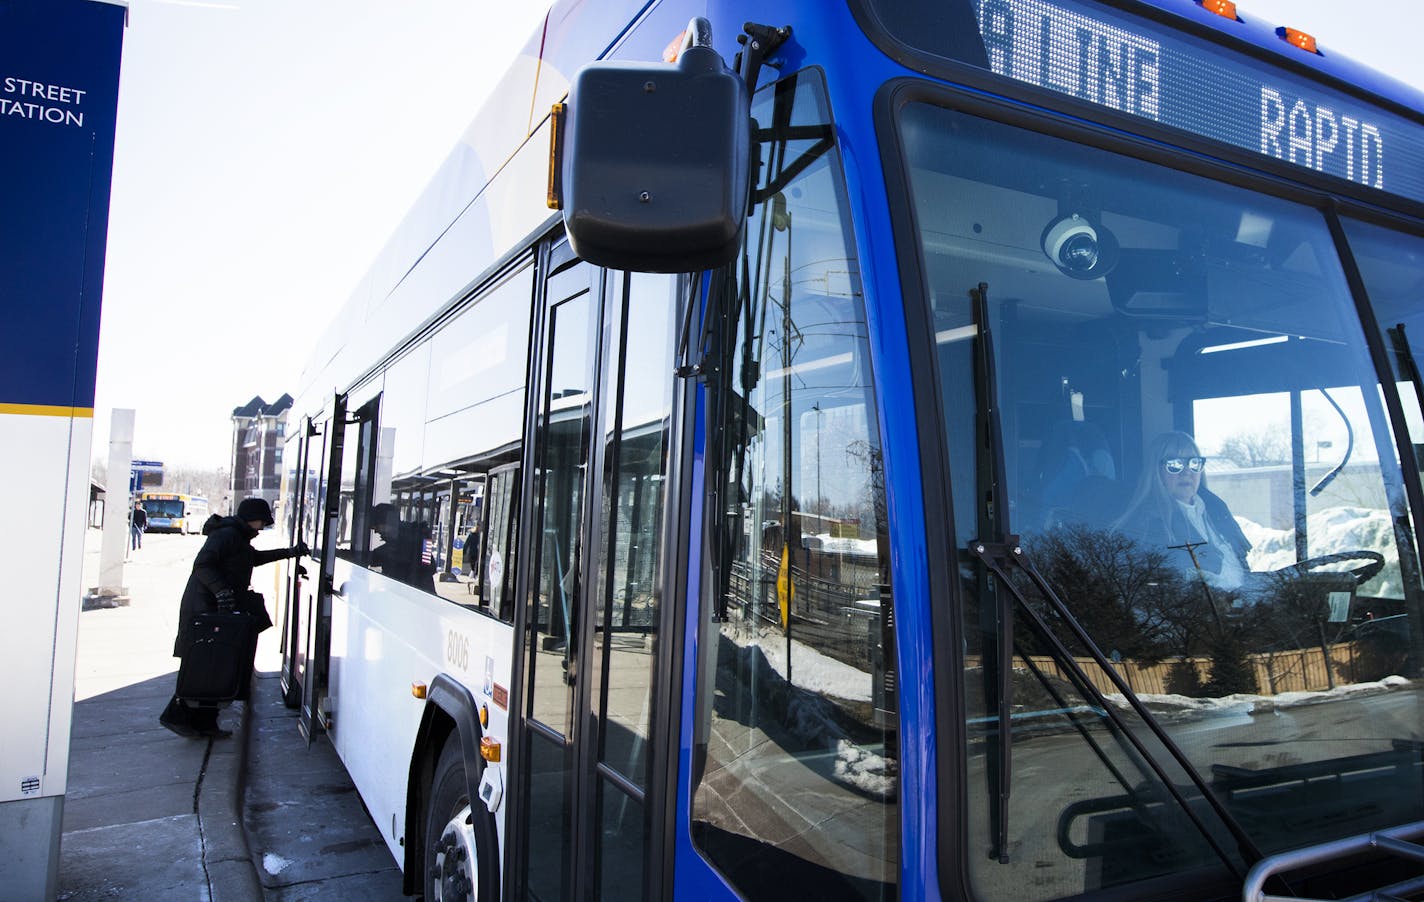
x,y
1331,530
812,712
811,670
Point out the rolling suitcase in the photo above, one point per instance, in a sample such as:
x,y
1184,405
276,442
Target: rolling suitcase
x,y
218,662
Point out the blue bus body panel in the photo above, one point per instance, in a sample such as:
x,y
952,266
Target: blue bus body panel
x,y
58,97
826,36
1261,33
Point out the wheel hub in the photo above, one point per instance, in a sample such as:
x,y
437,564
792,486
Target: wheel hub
x,y
457,871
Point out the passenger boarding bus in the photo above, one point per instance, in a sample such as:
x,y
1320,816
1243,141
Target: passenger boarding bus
x,y
962,449
59,85
175,512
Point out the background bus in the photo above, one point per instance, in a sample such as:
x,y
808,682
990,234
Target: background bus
x,y
832,572
58,96
175,512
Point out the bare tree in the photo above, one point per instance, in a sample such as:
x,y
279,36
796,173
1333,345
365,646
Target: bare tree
x,y
1258,447
210,483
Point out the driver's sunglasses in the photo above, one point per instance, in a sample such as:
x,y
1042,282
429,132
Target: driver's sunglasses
x,y
1175,465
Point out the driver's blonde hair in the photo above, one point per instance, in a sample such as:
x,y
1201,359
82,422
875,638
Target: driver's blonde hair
x,y
1150,497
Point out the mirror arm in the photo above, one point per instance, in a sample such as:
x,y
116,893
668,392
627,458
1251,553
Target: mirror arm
x,y
759,43
686,367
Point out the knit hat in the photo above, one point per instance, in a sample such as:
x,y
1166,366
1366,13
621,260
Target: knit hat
x,y
255,509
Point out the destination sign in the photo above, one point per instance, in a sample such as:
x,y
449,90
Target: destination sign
x,y
1152,72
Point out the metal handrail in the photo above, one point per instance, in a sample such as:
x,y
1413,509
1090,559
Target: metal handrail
x,y
1394,841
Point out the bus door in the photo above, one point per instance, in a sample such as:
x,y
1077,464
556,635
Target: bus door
x,y
317,588
588,813
306,446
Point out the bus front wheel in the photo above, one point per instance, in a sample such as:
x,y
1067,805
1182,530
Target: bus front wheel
x,y
461,860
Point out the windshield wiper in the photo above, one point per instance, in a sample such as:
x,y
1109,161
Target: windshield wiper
x,y
998,653
1003,546
993,555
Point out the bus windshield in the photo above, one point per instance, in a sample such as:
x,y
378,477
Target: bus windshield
x,y
171,508
1199,456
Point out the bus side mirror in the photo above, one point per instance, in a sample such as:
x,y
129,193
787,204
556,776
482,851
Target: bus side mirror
x,y
650,163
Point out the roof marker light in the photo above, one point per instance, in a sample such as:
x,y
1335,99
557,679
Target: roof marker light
x,y
1297,38
1224,8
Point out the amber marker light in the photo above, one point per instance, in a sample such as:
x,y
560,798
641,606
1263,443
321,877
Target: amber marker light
x,y
1224,8
484,715
1297,38
674,48
489,750
419,690
555,198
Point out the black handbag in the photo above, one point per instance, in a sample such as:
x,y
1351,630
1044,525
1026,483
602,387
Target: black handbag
x,y
255,607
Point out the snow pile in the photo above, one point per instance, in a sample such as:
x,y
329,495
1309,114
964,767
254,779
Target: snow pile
x,y
825,542
1256,704
274,864
1332,530
870,773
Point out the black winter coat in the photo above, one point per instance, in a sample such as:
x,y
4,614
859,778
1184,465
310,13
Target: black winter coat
x,y
1150,529
225,562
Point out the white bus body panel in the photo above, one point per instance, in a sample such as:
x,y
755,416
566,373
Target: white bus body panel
x,y
385,636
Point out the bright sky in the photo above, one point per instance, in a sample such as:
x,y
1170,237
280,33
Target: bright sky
x,y
1382,34
267,148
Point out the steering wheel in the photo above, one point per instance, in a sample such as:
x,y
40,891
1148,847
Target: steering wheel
x,y
1373,564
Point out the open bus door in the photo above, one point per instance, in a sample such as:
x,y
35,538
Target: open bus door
x,y
317,587
587,805
305,447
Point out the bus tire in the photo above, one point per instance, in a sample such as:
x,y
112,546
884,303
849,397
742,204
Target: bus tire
x,y
461,854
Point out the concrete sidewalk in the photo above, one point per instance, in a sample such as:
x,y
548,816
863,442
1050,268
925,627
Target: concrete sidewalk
x,y
151,815
148,815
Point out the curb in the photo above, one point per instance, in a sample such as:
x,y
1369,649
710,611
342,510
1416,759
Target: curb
x,y
231,874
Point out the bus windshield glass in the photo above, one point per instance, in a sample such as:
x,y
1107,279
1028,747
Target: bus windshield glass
x,y
1199,457
1156,73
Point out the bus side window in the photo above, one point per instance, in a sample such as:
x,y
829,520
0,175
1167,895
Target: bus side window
x,y
496,554
1389,263
357,463
798,693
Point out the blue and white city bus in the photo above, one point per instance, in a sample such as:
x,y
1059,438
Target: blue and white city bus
x,y
843,445
174,512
